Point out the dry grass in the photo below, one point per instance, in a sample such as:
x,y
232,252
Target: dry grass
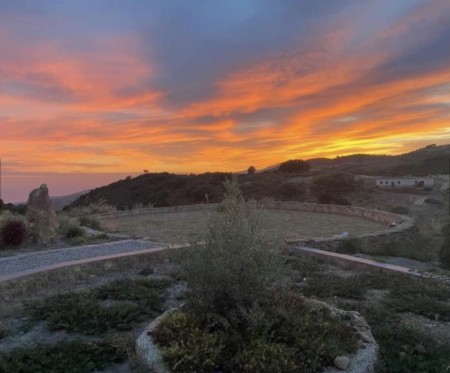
x,y
180,227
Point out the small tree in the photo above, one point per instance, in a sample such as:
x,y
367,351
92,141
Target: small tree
x,y
251,170
294,166
236,264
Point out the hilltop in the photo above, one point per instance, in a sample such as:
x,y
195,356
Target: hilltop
x,y
165,189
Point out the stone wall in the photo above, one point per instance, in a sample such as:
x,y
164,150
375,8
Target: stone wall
x,y
397,227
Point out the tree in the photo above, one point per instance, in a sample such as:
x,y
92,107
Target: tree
x,y
251,170
236,263
333,187
294,166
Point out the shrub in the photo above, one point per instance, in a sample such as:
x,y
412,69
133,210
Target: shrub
x,y
14,232
348,246
401,210
65,356
135,301
236,264
91,222
333,187
74,231
262,356
292,191
294,166
251,170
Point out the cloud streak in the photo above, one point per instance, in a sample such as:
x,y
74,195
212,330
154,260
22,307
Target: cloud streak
x,y
218,86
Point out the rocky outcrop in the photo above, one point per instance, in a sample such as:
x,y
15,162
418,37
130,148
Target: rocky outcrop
x,y
41,216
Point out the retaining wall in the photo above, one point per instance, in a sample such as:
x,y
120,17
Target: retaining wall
x,y
397,227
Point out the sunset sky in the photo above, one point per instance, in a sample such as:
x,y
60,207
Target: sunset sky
x,y
118,86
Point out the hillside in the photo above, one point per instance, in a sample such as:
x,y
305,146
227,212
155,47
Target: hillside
x,y
164,189
422,162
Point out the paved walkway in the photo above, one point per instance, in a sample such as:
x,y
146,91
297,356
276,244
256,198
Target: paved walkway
x,y
39,261
368,263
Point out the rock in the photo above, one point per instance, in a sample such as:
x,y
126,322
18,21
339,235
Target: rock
x,y
342,362
359,322
41,216
360,344
366,337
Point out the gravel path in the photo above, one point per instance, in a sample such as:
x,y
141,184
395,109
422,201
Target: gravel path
x,y
32,262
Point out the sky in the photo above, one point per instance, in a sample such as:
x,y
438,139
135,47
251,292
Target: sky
x,y
92,90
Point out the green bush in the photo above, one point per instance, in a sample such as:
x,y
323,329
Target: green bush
x,y
348,246
421,297
285,334
74,231
91,222
333,187
14,232
261,356
401,210
64,357
235,266
137,300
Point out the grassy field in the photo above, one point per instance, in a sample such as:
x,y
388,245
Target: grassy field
x,y
179,227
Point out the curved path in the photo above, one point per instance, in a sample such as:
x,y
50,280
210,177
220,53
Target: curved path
x,y
39,261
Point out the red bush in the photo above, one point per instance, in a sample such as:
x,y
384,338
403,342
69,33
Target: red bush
x,y
14,232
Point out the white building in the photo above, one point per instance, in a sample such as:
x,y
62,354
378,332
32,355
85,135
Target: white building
x,y
405,182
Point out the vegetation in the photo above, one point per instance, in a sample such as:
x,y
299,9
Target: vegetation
x,y
133,301
348,246
283,334
403,346
91,222
334,187
294,166
401,210
234,267
14,232
64,357
251,170
239,315
74,231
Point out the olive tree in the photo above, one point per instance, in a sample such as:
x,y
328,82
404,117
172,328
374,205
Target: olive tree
x,y
236,264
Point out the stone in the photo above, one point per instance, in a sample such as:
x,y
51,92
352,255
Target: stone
x,y
359,322
342,362
366,337
360,344
41,216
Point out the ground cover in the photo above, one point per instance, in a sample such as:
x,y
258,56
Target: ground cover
x,y
408,316
178,227
83,331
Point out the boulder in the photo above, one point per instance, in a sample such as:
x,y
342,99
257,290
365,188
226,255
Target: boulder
x,y
342,362
41,216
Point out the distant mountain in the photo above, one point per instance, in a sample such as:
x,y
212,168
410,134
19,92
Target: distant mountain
x,y
60,201
164,189
430,160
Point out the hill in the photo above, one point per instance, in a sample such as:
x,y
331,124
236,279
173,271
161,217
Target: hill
x,y
164,189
